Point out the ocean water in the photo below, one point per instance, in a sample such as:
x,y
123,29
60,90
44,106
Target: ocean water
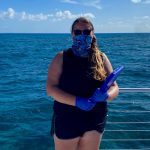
x,y
26,110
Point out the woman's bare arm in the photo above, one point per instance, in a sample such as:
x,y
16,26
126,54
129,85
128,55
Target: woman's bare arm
x,y
54,73
114,89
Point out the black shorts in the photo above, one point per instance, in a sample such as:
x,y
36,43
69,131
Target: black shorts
x,y
70,122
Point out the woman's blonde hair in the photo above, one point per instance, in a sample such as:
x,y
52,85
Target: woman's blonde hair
x,y
95,56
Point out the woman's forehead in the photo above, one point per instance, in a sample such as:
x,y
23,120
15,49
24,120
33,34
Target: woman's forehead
x,y
82,25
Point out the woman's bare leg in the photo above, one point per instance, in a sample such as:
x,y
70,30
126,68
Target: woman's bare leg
x,y
90,140
68,144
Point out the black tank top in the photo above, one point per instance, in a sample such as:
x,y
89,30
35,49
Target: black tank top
x,y
75,79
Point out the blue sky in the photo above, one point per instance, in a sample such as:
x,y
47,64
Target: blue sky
x,y
56,16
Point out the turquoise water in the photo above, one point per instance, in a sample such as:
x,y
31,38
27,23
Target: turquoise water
x,y
25,109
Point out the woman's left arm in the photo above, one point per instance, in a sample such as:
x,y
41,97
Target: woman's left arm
x,y
114,89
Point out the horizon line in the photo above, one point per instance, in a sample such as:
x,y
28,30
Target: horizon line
x,y
68,32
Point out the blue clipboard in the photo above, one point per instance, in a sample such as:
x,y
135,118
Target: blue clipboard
x,y
110,79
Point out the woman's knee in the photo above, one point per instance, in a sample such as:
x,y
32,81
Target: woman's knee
x,y
63,144
90,140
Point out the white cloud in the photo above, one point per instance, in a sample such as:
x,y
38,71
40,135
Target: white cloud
x,y
90,3
94,3
64,15
136,1
61,15
147,2
89,15
34,17
139,19
141,1
57,16
135,24
146,17
142,24
10,13
142,27
70,1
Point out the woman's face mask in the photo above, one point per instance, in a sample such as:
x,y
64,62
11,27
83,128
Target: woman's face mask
x,y
81,45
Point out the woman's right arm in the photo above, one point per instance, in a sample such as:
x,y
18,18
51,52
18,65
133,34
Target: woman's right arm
x,y
54,73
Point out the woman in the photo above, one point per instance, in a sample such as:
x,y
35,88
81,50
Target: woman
x,y
74,79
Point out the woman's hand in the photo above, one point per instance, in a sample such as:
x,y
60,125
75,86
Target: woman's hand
x,y
99,96
84,103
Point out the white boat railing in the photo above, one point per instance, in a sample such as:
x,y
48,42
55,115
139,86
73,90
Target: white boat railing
x,y
133,90
137,112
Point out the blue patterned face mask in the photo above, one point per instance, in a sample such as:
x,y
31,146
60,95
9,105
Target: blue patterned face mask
x,y
81,45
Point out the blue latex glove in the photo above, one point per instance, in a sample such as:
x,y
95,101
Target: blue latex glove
x,y
84,103
99,96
